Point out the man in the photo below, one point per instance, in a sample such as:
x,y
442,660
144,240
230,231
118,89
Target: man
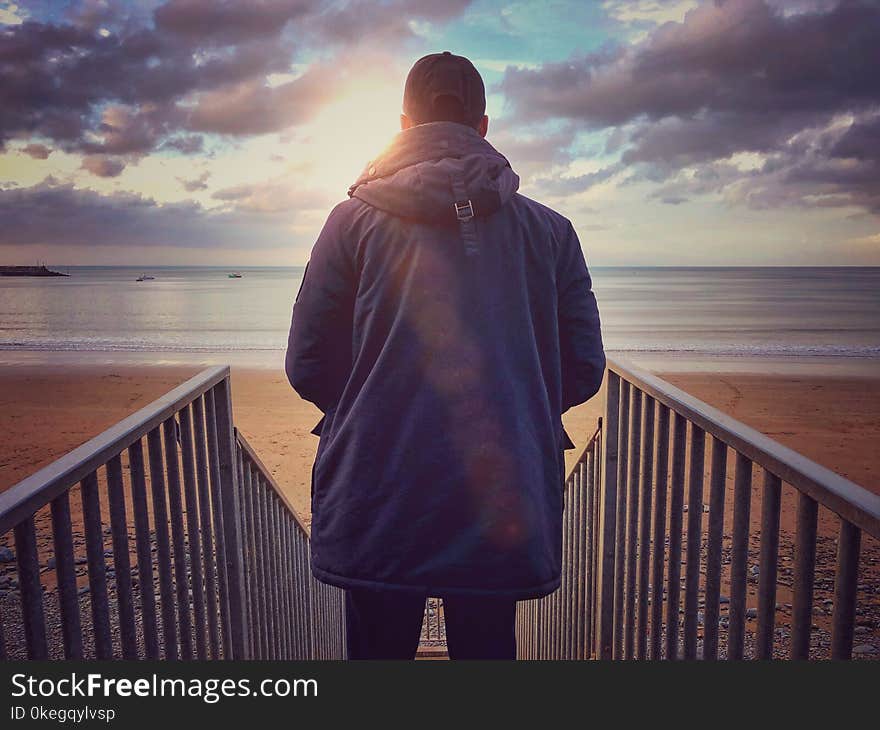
x,y
444,324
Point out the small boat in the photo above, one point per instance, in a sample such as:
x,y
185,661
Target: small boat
x,y
234,275
145,277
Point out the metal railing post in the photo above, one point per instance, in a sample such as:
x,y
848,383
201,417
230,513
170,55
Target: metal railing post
x,y
231,523
607,519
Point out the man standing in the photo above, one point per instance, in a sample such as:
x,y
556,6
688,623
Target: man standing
x,y
444,324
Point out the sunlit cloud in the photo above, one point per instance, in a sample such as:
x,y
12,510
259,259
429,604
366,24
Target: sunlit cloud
x,y
11,14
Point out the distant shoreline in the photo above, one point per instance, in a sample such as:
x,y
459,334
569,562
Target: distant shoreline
x,y
29,271
592,266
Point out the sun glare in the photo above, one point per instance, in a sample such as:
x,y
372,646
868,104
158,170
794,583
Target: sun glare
x,y
353,130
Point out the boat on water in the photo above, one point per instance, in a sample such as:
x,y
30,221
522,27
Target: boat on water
x,y
145,277
234,275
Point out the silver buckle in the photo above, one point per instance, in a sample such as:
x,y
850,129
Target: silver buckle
x,y
464,211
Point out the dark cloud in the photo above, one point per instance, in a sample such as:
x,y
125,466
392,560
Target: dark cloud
x,y
367,22
103,166
735,76
228,21
251,108
58,81
861,141
125,79
564,186
533,152
187,144
37,151
710,179
731,56
838,167
50,213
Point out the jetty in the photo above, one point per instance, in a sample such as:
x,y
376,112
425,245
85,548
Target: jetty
x,y
29,271
170,538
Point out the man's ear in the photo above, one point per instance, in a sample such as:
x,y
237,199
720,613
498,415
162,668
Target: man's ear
x,y
483,126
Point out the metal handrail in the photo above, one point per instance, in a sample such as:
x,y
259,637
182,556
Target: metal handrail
x,y
37,490
232,555
270,480
848,499
288,613
168,474
202,503
562,625
644,534
586,450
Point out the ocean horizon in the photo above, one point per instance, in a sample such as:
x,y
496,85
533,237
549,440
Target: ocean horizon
x,y
772,314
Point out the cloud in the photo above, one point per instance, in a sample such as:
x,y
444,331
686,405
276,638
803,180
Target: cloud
x,y
198,183
872,241
92,93
10,14
252,107
52,213
113,78
733,57
366,22
272,196
646,13
103,166
533,152
187,144
564,186
227,21
37,151
734,76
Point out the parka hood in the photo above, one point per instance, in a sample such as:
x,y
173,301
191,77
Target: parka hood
x,y
428,168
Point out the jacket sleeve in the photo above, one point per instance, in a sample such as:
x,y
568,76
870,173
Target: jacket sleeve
x,y
318,360
580,335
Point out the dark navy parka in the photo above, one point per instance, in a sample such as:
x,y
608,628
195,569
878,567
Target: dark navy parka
x,y
442,350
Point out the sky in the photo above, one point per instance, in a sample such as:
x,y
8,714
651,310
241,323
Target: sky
x,y
221,132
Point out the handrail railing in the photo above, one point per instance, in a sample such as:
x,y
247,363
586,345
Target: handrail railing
x,y
199,502
562,625
290,614
38,489
847,499
210,560
622,562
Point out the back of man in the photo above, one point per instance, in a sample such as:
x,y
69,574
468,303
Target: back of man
x,y
444,324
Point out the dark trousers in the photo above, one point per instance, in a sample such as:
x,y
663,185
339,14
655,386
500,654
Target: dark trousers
x,y
388,624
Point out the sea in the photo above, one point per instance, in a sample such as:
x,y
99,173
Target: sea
x,y
740,319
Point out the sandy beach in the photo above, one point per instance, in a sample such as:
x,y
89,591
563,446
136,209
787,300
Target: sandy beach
x,y
46,411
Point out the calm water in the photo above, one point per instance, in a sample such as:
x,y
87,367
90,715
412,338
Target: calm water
x,y
735,313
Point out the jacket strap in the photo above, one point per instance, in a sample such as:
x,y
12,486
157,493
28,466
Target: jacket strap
x,y
463,208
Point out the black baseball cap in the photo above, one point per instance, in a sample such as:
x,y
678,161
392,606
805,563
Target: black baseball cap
x,y
444,75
